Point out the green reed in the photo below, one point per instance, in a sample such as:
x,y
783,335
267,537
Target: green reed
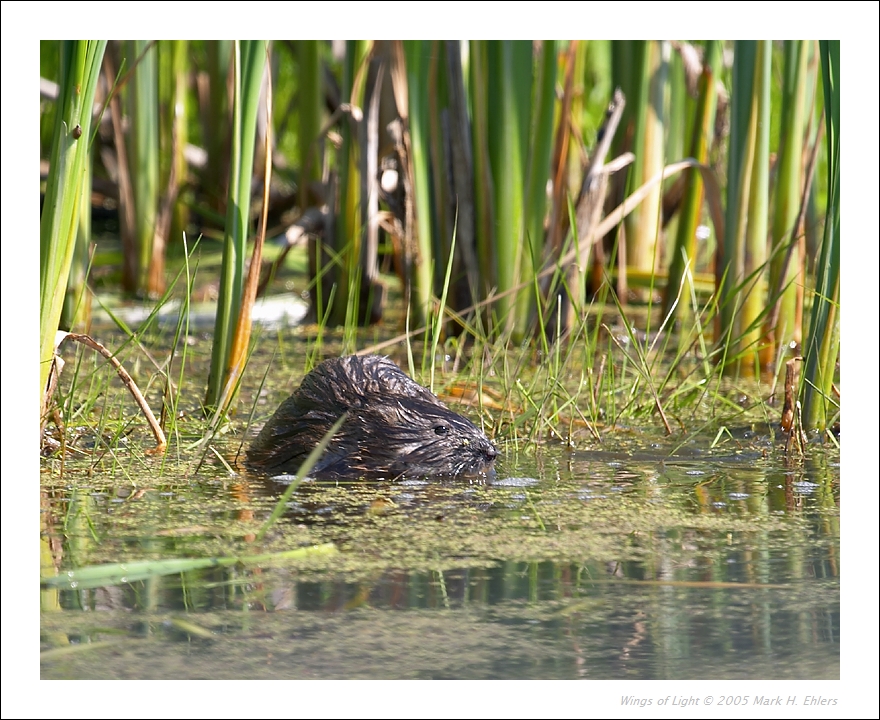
x,y
80,67
249,61
823,338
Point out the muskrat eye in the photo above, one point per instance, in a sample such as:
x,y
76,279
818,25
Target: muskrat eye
x,y
441,430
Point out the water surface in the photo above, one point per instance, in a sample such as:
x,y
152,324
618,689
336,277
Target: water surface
x,y
634,560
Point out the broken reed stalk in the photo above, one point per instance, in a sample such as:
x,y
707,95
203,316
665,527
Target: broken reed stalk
x,y
127,380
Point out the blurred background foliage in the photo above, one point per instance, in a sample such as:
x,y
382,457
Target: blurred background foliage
x,y
489,177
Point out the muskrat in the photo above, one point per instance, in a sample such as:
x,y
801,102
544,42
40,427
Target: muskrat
x,y
394,427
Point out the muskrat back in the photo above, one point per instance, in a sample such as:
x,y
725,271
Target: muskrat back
x,y
394,426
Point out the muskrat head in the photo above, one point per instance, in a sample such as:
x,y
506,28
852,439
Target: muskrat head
x,y
393,426
411,437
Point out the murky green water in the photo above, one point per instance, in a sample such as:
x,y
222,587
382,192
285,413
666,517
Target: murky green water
x,y
611,564
640,557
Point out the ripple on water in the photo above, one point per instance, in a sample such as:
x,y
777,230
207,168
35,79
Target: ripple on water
x,y
515,481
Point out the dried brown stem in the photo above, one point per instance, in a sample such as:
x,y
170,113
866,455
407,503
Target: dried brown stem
x,y
127,380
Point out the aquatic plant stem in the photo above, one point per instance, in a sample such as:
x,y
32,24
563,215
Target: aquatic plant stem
x,y
80,68
250,58
127,381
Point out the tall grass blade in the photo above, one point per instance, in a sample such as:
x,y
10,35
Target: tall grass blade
x,y
510,98
484,213
143,153
418,53
541,137
241,337
642,228
174,72
249,60
786,268
745,248
754,303
466,268
80,67
823,338
683,261
216,117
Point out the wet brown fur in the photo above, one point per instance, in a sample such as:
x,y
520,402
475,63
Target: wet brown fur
x,y
395,427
